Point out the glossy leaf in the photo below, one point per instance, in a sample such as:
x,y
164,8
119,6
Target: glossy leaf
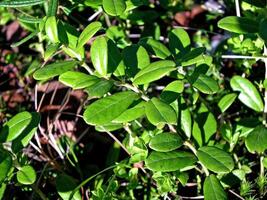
x,y
25,137
206,84
100,88
65,185
165,142
186,119
215,159
226,101
131,113
78,80
20,3
257,139
135,57
179,42
249,95
213,189
5,164
193,57
156,48
154,71
51,29
15,126
114,7
109,108
240,25
88,33
169,161
171,92
26,175
158,112
55,69
99,55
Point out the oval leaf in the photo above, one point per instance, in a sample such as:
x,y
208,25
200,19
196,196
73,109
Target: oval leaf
x,y
78,80
227,101
165,142
154,71
257,139
240,25
99,55
171,92
249,95
65,190
51,29
169,161
55,69
206,85
213,189
215,159
88,33
156,48
105,110
114,7
158,112
26,175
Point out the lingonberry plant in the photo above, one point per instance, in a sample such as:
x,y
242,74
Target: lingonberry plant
x,y
187,118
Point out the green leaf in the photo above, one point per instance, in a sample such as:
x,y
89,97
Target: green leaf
x,y
165,142
135,57
114,7
88,33
52,8
50,50
26,175
263,30
99,55
249,95
226,101
100,88
206,84
26,39
169,161
109,108
171,92
51,29
25,137
55,69
15,126
154,71
205,125
240,25
215,159
109,127
156,48
186,119
257,139
5,164
29,20
65,185
78,80
179,42
193,57
158,112
131,114
68,35
213,189
114,56
20,3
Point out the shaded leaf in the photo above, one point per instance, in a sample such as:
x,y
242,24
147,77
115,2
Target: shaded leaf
x,y
65,185
171,92
100,88
213,189
206,85
257,139
5,164
156,48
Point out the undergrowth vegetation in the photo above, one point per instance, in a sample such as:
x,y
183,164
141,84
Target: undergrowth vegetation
x,y
133,99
